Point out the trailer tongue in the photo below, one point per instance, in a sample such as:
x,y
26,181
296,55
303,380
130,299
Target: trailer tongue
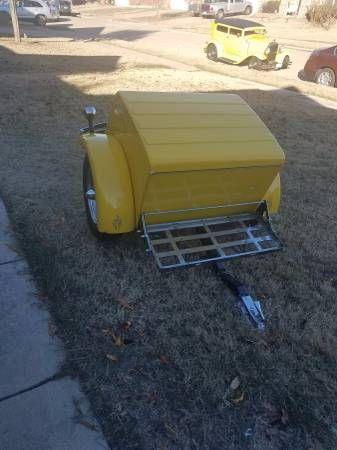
x,y
205,240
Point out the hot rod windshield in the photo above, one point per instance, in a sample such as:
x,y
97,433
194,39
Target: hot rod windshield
x,y
255,31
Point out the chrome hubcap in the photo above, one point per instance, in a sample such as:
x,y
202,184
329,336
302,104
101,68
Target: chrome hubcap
x,y
90,196
325,78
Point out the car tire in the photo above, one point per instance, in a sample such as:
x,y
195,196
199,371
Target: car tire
x,y
220,14
212,52
248,10
253,62
285,62
325,77
41,20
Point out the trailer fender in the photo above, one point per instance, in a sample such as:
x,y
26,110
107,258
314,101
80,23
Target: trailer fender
x,y
273,195
114,194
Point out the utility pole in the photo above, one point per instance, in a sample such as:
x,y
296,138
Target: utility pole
x,y
15,22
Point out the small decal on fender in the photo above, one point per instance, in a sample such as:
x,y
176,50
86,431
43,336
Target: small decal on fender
x,y
116,223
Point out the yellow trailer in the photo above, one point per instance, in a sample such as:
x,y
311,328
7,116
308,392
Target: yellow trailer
x,y
197,173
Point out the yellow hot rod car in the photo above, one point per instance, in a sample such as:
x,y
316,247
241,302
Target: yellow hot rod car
x,y
240,41
197,173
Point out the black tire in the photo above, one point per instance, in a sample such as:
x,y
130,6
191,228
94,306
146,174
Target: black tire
x,y
253,62
248,10
212,52
285,62
41,20
220,14
325,77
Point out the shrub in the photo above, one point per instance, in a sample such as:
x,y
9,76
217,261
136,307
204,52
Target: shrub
x,y
271,6
323,14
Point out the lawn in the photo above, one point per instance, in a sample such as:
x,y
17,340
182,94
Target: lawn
x,y
156,352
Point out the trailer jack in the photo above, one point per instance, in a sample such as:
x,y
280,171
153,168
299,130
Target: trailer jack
x,y
249,306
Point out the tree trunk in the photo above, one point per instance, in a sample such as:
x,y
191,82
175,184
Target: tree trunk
x,y
303,7
283,8
15,22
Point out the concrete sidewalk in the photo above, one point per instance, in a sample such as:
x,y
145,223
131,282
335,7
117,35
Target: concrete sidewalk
x,y
54,415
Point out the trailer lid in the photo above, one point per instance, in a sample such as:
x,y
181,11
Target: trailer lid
x,y
189,131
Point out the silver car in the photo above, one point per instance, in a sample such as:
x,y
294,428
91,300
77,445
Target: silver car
x,y
219,9
38,11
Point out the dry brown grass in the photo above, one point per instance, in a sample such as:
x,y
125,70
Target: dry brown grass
x,y
175,342
322,13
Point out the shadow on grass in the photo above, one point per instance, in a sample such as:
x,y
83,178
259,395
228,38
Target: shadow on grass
x,y
185,344
64,29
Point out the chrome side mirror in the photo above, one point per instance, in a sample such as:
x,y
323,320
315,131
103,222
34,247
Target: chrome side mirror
x,y
90,112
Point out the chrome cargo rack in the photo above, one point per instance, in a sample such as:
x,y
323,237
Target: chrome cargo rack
x,y
193,242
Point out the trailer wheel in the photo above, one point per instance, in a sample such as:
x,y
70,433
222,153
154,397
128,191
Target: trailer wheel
x,y
90,200
248,10
212,52
41,20
220,14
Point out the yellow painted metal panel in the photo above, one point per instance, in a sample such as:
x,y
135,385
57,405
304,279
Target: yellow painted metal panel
x,y
133,97
229,120
111,177
187,108
169,148
130,140
203,156
206,135
172,191
187,150
273,195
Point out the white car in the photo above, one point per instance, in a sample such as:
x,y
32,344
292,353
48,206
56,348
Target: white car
x,y
38,11
220,8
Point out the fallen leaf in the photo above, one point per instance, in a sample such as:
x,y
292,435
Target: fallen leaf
x,y
169,428
87,424
235,384
284,416
111,357
124,304
151,396
106,332
118,341
126,325
163,359
239,399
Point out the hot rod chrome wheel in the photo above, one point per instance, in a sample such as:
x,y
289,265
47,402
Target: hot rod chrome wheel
x,y
253,62
212,53
326,77
89,195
